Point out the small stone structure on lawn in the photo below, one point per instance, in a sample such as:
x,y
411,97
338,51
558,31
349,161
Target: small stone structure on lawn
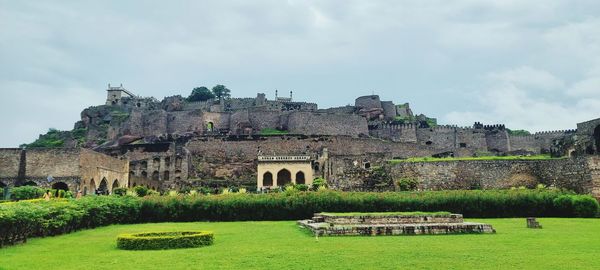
x,y
532,223
391,223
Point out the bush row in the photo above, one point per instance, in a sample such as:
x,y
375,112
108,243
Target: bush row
x,y
20,220
164,240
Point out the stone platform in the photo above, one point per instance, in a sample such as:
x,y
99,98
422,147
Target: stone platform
x,y
372,224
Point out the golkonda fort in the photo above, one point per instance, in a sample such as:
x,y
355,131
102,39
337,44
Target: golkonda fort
x,y
300,135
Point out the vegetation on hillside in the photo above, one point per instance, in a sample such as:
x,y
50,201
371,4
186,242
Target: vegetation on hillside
x,y
55,138
202,93
432,159
272,131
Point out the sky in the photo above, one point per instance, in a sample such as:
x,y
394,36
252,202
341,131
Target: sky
x,y
531,65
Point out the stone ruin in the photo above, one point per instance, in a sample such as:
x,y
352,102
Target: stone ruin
x,y
376,224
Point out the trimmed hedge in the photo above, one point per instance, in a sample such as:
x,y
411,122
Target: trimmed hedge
x,y
164,240
20,220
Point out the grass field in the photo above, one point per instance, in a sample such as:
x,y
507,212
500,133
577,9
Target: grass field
x,y
562,244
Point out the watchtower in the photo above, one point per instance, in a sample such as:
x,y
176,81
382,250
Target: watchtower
x,y
115,94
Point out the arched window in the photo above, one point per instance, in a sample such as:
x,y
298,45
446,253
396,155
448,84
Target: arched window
x,y
144,165
60,185
268,179
156,163
144,174
166,175
155,175
178,161
103,187
300,178
115,184
284,177
92,186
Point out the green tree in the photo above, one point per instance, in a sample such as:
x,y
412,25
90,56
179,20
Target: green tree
x,y
221,91
200,94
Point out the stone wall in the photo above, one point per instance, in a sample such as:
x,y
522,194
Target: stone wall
x,y
96,167
10,159
326,124
55,162
573,174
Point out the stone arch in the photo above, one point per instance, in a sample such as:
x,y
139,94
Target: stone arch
x,y
115,184
92,186
61,186
156,162
210,126
144,174
103,187
284,177
144,165
300,178
267,179
597,139
155,175
30,183
178,162
166,175
167,162
316,166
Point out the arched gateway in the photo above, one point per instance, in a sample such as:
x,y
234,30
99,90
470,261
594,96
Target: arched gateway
x,y
279,171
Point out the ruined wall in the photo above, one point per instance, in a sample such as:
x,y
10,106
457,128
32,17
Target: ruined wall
x,y
94,167
573,174
326,124
389,110
225,158
264,119
544,140
368,102
161,166
55,162
524,142
396,133
442,137
339,110
497,140
185,121
9,165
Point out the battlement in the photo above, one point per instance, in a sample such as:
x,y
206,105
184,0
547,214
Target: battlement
x,y
556,132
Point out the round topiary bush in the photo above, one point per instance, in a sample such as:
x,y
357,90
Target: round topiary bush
x,y
164,240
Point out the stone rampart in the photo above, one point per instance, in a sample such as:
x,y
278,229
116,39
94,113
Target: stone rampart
x,y
572,174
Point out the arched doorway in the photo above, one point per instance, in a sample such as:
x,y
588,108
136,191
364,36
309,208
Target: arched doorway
x,y
267,179
92,188
300,178
597,139
30,183
115,184
284,177
103,187
210,126
85,191
60,186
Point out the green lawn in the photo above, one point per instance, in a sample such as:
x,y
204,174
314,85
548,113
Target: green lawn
x,y
562,244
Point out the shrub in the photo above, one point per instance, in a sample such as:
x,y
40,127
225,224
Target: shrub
x,y
119,191
26,193
164,240
301,187
407,184
141,191
319,182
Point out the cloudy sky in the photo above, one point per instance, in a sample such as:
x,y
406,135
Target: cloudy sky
x,y
529,64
